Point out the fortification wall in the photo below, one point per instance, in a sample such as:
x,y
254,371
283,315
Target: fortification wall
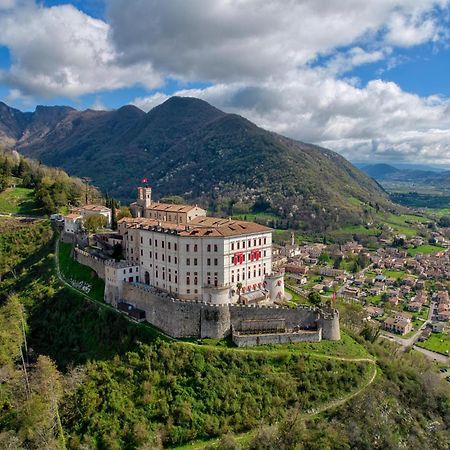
x,y
96,264
242,340
302,317
196,319
174,317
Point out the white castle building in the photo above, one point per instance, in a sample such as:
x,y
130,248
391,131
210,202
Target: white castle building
x,y
178,249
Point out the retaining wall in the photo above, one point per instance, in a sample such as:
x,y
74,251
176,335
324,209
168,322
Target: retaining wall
x,y
242,340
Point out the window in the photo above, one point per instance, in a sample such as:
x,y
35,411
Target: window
x,y
232,246
215,281
131,237
149,242
243,244
130,279
208,261
163,256
188,280
150,254
237,245
209,247
130,270
168,245
195,247
264,253
209,280
156,255
265,240
164,275
176,260
170,277
162,244
142,240
124,270
254,242
215,261
259,241
195,261
195,281
215,247
156,273
249,243
175,247
188,291
187,247
176,278
188,261
156,243
170,259
142,252
232,278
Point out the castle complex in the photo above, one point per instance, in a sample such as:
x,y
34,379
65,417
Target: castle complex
x,y
197,276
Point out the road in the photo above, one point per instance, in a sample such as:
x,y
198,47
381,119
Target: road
x,y
433,355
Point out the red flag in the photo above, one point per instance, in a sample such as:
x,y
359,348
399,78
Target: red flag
x,y
334,296
144,180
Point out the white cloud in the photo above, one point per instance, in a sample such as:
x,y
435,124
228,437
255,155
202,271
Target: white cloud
x,y
237,40
62,51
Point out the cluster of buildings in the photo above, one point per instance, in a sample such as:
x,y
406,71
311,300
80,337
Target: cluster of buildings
x,y
192,275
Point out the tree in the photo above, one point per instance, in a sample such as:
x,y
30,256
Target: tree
x,y
95,222
314,298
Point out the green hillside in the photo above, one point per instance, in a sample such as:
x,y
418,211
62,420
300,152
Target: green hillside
x,y
224,162
116,387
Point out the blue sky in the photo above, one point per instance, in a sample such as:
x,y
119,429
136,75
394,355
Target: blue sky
x,y
365,78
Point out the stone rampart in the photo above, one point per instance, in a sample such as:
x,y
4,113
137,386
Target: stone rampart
x,y
251,340
96,264
190,318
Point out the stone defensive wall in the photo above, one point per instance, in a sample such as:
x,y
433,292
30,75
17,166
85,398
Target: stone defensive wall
x,y
290,337
180,318
96,264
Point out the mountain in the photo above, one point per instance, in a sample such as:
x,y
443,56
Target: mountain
x,y
379,171
187,147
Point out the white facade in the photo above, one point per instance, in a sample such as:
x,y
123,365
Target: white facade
x,y
115,275
72,223
212,269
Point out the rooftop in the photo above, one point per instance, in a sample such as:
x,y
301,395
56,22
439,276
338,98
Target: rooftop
x,y
200,226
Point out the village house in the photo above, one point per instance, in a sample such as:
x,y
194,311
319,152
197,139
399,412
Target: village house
x,y
398,325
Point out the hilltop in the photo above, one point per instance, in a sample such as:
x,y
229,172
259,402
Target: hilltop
x,y
187,147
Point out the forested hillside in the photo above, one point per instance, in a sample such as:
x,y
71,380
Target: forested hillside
x,y
187,147
78,375
48,189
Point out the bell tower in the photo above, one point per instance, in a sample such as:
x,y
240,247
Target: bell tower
x,y
144,196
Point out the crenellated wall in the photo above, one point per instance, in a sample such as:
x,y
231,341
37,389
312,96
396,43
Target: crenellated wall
x,y
197,319
96,264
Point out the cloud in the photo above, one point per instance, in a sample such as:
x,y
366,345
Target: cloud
x,y
60,51
376,121
237,40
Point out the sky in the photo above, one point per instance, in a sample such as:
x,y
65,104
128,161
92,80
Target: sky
x,y
366,78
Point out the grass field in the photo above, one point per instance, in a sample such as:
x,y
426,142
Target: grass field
x,y
73,270
424,249
437,342
394,273
18,200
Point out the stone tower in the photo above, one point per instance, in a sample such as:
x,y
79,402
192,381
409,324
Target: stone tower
x,y
144,197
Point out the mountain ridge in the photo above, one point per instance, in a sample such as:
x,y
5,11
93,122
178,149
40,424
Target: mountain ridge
x,y
188,147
